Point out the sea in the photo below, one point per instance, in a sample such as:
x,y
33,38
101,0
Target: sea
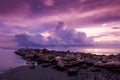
x,y
8,59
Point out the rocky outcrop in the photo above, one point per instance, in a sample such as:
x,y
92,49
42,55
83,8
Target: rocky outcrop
x,y
66,61
72,71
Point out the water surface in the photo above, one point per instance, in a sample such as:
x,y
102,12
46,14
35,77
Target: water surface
x,y
98,51
9,60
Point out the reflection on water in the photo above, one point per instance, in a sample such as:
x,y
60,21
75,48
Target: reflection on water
x,y
98,51
9,59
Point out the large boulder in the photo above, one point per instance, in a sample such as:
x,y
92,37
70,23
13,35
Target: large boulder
x,y
111,65
29,55
61,64
44,57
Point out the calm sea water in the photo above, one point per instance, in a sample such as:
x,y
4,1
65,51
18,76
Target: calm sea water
x,y
9,59
98,51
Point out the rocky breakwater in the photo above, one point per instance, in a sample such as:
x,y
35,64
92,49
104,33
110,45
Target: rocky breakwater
x,y
71,62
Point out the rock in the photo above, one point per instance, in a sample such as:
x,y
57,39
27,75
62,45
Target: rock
x,y
29,55
69,59
61,64
45,51
44,58
33,52
108,64
62,60
58,58
21,52
72,72
59,68
116,63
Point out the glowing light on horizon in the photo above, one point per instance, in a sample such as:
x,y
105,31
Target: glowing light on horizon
x,y
107,38
101,34
92,31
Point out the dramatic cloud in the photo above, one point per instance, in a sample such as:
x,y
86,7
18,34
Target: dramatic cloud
x,y
60,36
28,40
33,22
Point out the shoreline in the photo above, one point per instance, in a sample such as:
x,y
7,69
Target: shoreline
x,y
71,65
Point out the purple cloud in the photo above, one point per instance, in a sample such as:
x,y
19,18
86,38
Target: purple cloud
x,y
39,16
61,36
24,39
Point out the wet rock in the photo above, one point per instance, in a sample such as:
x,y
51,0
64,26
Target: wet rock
x,y
22,52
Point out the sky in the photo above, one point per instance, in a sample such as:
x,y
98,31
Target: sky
x,y
84,23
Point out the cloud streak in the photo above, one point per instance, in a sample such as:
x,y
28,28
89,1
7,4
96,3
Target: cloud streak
x,y
92,11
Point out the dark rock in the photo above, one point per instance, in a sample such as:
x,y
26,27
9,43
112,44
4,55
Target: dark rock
x,y
72,72
44,58
95,70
